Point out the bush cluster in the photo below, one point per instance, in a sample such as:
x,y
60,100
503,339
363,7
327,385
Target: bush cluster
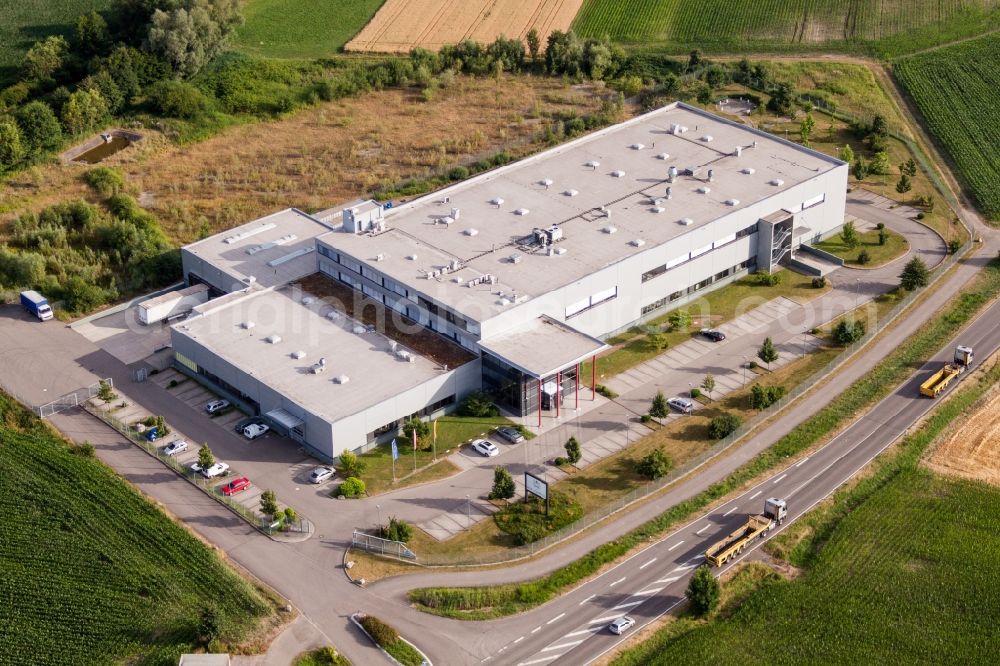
x,y
478,404
383,634
762,397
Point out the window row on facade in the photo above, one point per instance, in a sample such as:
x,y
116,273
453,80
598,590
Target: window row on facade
x,y
750,264
684,258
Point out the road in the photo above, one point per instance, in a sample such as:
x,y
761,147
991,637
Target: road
x,y
573,629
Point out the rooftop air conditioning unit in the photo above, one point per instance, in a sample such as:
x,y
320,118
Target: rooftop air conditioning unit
x,y
341,379
402,354
657,209
455,264
412,257
637,146
458,279
515,258
545,182
732,202
248,325
358,329
707,138
738,151
777,182
379,257
558,250
456,213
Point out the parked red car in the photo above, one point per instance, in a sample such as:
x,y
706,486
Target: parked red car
x,y
235,486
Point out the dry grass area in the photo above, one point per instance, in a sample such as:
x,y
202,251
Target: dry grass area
x,y
319,157
973,450
400,25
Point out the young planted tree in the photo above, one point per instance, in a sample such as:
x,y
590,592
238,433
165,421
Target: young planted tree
x,y
654,465
534,43
659,409
846,153
268,503
205,457
573,453
421,427
860,169
723,425
703,591
503,484
883,236
657,340
909,167
904,185
864,257
351,465
679,319
849,235
767,352
848,332
708,383
806,128
914,275
396,530
105,393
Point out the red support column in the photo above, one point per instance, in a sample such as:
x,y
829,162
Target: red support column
x,y
539,402
593,377
558,391
577,386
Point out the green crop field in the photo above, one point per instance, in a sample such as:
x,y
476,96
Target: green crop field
x,y
301,28
725,25
92,573
956,89
23,22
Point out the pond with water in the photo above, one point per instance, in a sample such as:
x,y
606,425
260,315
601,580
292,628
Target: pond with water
x,y
103,150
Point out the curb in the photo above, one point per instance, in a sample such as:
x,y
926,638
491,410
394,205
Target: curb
x,y
357,623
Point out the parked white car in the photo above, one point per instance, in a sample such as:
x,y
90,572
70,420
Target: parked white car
x,y
255,430
216,406
682,405
488,449
175,447
215,470
321,474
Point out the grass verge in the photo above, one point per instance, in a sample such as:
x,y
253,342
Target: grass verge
x,y
891,566
478,603
878,255
324,656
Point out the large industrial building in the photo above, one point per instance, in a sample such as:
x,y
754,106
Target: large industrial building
x,y
505,282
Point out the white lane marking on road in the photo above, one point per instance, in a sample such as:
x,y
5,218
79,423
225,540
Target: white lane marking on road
x,y
536,630
802,462
618,581
675,545
703,529
556,618
685,567
648,592
519,640
584,601
669,580
756,494
730,511
540,661
606,618
779,478
647,564
628,604
591,630
562,645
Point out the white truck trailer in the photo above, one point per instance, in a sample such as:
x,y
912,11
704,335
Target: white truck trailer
x,y
172,304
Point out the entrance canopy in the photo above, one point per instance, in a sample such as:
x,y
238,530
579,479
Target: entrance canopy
x,y
284,419
543,347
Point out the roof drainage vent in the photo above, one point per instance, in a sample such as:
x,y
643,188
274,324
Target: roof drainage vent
x,y
273,339
298,355
638,242
593,164
471,232
618,173
341,379
777,182
663,156
570,193
686,221
748,171
521,211
497,201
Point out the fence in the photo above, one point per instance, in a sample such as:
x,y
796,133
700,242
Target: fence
x,y
697,462
380,546
72,399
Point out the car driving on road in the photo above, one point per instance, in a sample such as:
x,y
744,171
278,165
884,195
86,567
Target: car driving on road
x,y
321,474
682,405
216,406
236,486
713,334
488,449
255,430
175,447
621,625
512,435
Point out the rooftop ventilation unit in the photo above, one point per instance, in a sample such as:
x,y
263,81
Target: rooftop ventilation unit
x,y
456,213
358,329
515,258
273,339
545,182
447,220
704,190
243,235
593,164
402,354
777,182
307,300
471,232
732,202
298,355
411,257
497,201
249,279
558,251
570,193
341,379
618,174
393,345
248,325
638,242
671,174
686,221
455,264
333,315
669,193
609,229
738,151
521,211
504,302
711,175
379,257
657,209
663,156
547,236
707,138
691,170
318,367
678,129
654,201
523,298
458,279
637,146
748,171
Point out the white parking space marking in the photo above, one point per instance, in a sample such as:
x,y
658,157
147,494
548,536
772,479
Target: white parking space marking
x,y
730,511
618,581
647,564
779,478
675,545
556,618
563,645
756,494
586,600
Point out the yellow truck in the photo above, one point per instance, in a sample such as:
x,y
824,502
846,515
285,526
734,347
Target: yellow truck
x,y
940,380
755,526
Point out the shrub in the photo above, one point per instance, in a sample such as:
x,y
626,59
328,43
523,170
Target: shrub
x,y
914,275
105,180
920,215
177,99
573,453
269,505
645,418
695,392
417,426
559,461
724,425
762,397
764,279
40,129
679,319
954,246
654,465
350,465
352,487
606,392
291,515
880,226
458,173
703,591
659,408
848,332
864,257
478,403
396,530
381,633
819,282
503,484
85,449
753,365
526,521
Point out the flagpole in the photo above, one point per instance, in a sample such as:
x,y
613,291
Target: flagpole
x,y
414,450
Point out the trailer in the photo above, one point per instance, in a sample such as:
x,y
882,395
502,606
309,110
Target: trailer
x,y
755,527
939,381
172,304
36,304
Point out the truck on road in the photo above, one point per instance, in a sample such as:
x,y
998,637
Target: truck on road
x,y
36,304
940,380
754,527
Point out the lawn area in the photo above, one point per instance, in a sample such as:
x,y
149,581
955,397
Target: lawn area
x,y
452,432
895,247
716,307
324,656
92,572
301,28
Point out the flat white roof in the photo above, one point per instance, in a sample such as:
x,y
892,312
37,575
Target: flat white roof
x,y
621,168
373,370
274,250
543,346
